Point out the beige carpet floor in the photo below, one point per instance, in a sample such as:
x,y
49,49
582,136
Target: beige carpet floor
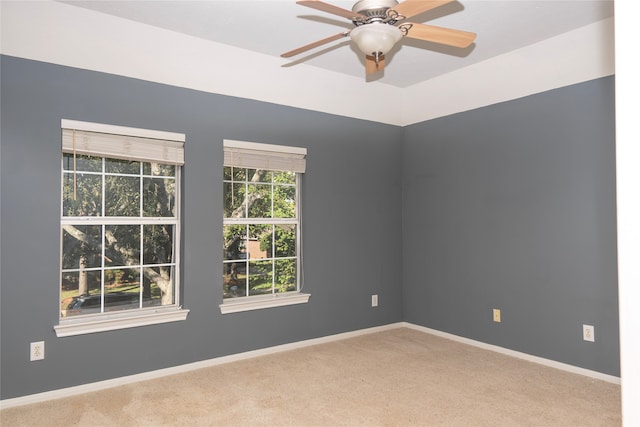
x,y
400,377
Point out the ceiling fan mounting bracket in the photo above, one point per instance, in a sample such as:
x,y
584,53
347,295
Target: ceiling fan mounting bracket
x,y
376,11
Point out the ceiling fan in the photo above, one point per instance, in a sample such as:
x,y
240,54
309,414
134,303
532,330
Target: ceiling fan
x,y
380,24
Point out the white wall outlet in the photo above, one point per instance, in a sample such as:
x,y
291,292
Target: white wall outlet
x,y
496,315
374,300
37,351
588,334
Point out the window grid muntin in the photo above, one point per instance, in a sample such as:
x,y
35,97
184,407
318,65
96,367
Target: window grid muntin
x,y
139,220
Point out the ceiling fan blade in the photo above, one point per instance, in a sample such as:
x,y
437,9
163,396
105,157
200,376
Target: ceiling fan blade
x,y
329,8
371,66
409,8
314,44
440,35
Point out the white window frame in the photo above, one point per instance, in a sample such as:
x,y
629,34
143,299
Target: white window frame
x,y
129,143
270,157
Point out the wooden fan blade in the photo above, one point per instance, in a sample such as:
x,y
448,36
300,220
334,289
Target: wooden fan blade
x,y
409,8
370,65
440,35
314,44
329,8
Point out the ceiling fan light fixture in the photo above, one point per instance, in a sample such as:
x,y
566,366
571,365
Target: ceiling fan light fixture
x,y
376,38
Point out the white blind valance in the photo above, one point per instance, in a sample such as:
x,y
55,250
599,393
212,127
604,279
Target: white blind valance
x,y
253,155
122,143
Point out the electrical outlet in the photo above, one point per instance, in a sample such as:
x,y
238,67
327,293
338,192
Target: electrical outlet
x,y
496,315
37,351
374,300
588,334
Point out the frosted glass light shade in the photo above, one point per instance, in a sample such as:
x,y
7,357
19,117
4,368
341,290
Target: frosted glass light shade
x,y
376,38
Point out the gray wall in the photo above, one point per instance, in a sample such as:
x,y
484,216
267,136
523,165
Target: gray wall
x,y
512,206
509,206
352,232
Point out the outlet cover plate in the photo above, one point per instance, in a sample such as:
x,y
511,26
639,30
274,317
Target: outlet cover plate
x,y
374,300
37,351
588,333
496,315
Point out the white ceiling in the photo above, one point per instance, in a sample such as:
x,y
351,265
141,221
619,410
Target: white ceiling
x,y
274,26
233,48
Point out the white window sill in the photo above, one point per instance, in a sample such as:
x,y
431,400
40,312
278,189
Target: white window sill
x,y
70,327
257,303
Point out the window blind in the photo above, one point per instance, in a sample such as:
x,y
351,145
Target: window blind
x,y
122,143
253,155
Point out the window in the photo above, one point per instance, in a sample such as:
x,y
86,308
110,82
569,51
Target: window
x,y
262,260
120,227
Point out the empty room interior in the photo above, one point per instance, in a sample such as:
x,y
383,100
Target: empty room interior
x,y
177,195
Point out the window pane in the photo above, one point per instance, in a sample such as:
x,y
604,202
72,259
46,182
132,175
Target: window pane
x,y
122,280
122,245
285,240
238,174
284,177
159,197
158,244
80,293
234,206
259,241
81,246
285,280
122,196
235,239
259,175
234,279
122,289
260,277
259,201
151,292
158,284
88,195
83,163
158,169
284,201
122,166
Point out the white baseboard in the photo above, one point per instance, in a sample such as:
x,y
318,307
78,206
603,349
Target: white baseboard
x,y
535,359
102,385
115,382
